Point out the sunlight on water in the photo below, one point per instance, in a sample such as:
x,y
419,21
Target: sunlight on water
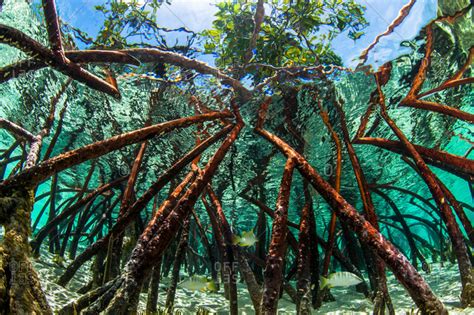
x,y
250,173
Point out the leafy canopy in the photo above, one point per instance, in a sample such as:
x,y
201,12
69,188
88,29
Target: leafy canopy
x,y
294,32
132,23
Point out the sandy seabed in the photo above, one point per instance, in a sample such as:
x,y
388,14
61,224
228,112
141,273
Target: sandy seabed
x,y
444,280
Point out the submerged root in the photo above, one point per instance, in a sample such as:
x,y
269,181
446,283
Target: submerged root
x,y
467,294
20,288
382,302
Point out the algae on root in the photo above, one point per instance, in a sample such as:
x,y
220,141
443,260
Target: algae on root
x,y
20,288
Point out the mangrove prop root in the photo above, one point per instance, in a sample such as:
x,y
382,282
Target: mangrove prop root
x,y
149,249
85,300
52,26
20,288
337,185
140,204
228,252
125,204
157,220
178,260
276,252
413,98
382,297
456,79
255,291
17,131
418,289
432,181
66,160
34,49
152,298
304,299
456,165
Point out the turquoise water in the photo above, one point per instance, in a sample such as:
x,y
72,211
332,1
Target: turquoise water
x,y
91,116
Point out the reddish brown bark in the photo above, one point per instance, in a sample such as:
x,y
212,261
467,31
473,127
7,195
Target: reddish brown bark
x,y
364,120
439,108
400,266
413,97
52,26
228,253
127,199
56,164
139,205
17,131
154,240
273,274
456,79
432,181
451,163
381,296
154,224
34,49
77,56
303,276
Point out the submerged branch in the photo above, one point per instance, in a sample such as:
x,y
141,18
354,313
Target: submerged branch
x,y
66,160
449,162
409,277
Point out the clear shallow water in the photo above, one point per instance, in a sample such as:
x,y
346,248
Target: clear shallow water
x,y
91,116
443,280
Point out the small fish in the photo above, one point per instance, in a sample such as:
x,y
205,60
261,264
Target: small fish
x,y
198,283
340,279
246,239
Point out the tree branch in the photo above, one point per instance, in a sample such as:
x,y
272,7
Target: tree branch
x,y
56,164
34,49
